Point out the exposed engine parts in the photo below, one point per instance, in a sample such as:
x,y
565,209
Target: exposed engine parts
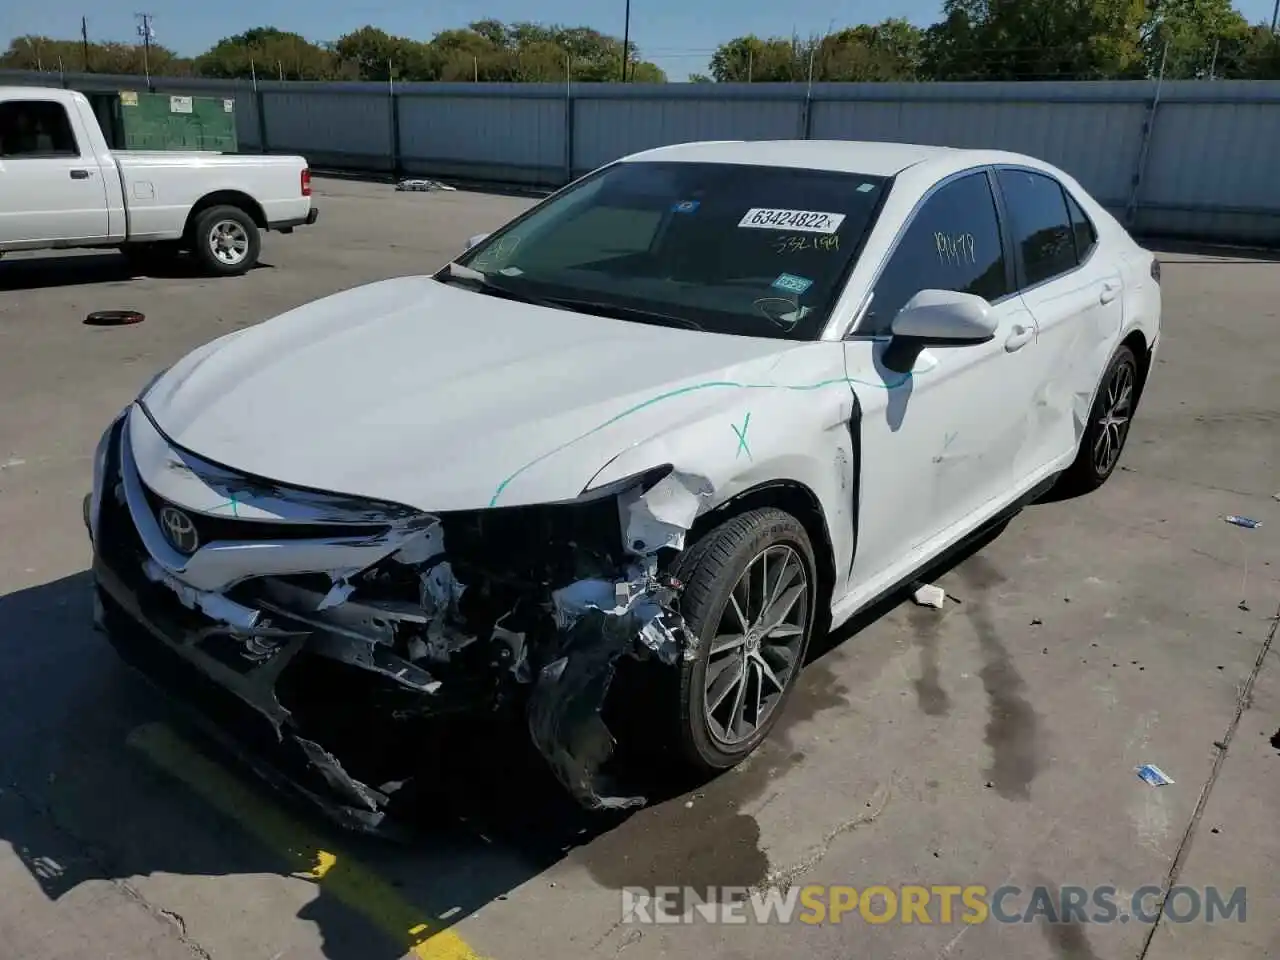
x,y
458,612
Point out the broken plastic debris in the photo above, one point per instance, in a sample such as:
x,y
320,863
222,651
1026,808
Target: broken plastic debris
x,y
336,596
571,602
422,185
420,549
215,605
1153,775
516,650
930,595
661,637
661,517
440,589
565,704
1243,522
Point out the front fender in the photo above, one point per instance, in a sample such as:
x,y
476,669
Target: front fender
x,y
785,435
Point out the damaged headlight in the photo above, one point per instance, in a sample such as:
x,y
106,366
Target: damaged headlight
x,y
641,482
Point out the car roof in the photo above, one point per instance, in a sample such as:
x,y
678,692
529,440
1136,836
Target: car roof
x,y
874,159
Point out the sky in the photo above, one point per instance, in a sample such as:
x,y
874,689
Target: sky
x,y
678,35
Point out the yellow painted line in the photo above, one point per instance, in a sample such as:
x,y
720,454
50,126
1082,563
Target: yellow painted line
x,y
351,883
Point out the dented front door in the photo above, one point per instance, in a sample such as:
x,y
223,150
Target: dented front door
x,y
938,443
941,428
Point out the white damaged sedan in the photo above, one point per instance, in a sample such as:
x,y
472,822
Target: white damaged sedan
x,y
653,435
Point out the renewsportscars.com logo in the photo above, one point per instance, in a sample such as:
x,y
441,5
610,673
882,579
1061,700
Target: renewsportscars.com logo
x,y
937,904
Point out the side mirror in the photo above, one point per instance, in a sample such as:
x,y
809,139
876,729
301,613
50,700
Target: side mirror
x,y
478,238
945,316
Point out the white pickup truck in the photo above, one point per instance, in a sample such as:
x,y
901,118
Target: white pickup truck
x,y
61,186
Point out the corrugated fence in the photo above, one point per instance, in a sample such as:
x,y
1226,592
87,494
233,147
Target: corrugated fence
x,y
1193,158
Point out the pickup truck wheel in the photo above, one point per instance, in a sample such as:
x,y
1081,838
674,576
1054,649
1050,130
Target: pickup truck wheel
x,y
226,241
750,596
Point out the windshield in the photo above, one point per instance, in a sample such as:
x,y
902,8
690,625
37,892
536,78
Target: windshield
x,y
737,249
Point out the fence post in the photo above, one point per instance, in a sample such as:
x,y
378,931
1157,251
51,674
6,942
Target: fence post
x,y
806,119
260,105
1148,129
393,101
568,134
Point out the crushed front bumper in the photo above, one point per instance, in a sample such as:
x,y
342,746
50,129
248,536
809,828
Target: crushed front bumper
x,y
235,722
229,673
297,647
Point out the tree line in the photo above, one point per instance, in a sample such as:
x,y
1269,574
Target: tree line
x,y
974,40
486,50
1021,40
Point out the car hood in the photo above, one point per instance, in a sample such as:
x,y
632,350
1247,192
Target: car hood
x,y
441,398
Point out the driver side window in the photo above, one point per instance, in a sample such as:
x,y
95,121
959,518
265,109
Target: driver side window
x,y
953,243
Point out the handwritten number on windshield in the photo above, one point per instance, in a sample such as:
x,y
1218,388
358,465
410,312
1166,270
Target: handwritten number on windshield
x,y
797,243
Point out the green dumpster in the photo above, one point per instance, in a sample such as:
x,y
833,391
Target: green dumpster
x,y
165,121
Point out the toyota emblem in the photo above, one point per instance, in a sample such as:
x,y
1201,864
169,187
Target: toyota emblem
x,y
179,530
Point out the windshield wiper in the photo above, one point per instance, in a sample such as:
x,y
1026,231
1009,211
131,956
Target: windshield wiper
x,y
484,284
456,271
619,312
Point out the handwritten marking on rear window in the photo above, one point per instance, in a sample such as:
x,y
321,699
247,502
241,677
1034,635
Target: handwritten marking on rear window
x,y
954,249
797,244
802,221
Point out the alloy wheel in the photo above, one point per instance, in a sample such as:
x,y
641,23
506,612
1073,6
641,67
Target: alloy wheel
x,y
1114,420
757,644
229,242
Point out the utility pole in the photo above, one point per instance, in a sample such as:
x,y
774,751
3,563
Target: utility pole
x,y
84,42
1275,12
626,40
147,34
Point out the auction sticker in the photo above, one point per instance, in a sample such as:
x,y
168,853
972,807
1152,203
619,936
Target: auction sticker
x,y
805,221
791,283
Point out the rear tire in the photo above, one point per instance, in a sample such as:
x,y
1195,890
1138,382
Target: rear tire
x,y
730,575
226,241
1108,428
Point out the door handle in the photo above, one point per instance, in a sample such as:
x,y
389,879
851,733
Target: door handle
x,y
80,174
1019,338
1109,292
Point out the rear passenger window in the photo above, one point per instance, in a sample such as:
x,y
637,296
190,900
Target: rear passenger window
x,y
1040,223
1082,227
35,128
953,243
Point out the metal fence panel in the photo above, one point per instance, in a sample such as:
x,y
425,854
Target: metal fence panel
x,y
1068,135
605,129
334,129
1206,169
515,140
1214,155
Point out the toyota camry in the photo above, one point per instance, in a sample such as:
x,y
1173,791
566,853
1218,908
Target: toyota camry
x,y
653,435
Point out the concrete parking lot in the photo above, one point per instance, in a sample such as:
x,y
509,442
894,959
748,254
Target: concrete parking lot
x,y
991,743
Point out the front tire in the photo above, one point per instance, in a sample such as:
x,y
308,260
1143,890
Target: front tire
x,y
750,598
1103,439
226,241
